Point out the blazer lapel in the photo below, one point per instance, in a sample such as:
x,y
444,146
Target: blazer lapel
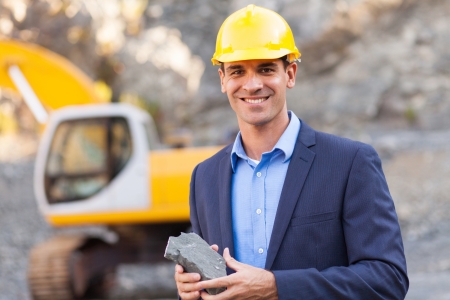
x,y
226,228
299,166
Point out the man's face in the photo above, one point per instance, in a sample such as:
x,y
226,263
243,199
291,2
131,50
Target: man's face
x,y
256,89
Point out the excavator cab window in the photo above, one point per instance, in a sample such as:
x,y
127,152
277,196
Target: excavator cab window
x,y
85,155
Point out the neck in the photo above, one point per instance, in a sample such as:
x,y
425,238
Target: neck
x,y
257,139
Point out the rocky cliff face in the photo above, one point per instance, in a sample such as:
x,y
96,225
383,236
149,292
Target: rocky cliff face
x,y
367,66
394,76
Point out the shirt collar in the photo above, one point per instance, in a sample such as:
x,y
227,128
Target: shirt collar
x,y
286,143
238,150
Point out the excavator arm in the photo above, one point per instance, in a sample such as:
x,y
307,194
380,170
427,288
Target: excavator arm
x,y
45,80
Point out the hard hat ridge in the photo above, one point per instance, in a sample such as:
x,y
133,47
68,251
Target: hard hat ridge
x,y
254,32
250,9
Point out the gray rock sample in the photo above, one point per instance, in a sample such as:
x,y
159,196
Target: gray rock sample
x,y
196,256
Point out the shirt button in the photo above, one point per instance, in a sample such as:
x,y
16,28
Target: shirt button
x,y
258,174
258,211
260,250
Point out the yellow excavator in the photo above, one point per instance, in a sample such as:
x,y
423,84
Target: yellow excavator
x,y
97,163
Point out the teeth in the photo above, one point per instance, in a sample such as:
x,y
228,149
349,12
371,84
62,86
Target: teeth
x,y
254,101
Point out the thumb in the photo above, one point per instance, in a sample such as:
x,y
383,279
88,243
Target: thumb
x,y
231,262
215,247
179,269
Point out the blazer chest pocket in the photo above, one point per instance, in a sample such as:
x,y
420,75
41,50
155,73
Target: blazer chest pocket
x,y
303,220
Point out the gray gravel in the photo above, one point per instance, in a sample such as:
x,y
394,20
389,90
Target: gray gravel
x,y
428,260
22,227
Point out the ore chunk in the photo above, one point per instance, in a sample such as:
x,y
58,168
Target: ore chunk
x,y
196,256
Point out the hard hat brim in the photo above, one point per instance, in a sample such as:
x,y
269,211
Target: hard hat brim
x,y
251,54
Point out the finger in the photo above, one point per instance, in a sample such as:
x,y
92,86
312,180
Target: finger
x,y
188,287
190,295
204,295
188,291
215,247
221,296
179,269
214,283
231,262
187,277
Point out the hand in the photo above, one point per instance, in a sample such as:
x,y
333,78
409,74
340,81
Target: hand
x,y
186,281
186,284
247,283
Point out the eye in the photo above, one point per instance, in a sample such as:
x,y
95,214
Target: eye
x,y
237,72
266,70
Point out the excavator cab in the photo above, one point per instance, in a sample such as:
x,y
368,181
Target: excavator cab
x,y
94,159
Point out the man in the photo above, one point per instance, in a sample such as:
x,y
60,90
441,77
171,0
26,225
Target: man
x,y
307,215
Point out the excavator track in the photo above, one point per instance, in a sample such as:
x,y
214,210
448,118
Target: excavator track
x,y
70,267
49,273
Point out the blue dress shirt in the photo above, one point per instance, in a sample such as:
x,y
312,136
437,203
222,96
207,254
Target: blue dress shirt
x,y
255,193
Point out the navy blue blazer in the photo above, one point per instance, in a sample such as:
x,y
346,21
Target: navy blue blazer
x,y
336,233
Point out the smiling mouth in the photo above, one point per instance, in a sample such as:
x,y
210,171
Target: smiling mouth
x,y
255,101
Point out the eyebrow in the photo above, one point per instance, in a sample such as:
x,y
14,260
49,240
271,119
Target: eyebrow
x,y
233,67
269,64
263,65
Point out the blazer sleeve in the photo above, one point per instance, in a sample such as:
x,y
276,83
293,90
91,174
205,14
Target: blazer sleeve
x,y
377,266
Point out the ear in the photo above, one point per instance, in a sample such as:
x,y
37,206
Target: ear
x,y
291,71
222,76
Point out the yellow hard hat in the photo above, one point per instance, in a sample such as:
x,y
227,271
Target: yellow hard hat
x,y
254,32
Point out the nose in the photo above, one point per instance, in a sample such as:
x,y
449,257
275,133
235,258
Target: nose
x,y
252,83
